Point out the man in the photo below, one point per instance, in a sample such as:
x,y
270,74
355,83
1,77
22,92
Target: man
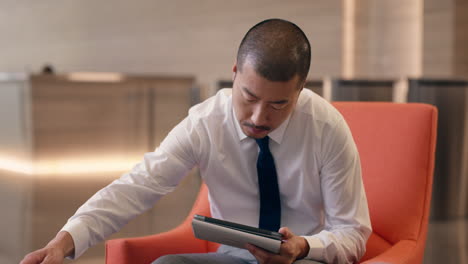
x,y
271,153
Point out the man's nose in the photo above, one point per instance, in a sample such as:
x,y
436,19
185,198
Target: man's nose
x,y
260,115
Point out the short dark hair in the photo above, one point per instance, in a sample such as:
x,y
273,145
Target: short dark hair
x,y
278,50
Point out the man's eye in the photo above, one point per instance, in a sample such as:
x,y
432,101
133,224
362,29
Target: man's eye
x,y
251,100
278,106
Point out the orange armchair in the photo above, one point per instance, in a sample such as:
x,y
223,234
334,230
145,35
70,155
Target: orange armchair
x,y
396,143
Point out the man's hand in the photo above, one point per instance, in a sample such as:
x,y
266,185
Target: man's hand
x,y
54,253
293,248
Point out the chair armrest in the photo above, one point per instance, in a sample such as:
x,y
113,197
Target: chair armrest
x,y
148,248
402,252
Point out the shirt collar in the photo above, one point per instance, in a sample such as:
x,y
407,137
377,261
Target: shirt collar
x,y
276,135
240,133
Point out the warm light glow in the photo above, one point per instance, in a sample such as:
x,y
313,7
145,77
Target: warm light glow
x,y
400,91
95,77
81,166
68,166
15,165
327,88
349,32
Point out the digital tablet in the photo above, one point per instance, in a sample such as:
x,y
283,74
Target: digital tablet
x,y
234,234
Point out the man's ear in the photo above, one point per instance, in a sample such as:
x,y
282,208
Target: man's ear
x,y
234,71
302,85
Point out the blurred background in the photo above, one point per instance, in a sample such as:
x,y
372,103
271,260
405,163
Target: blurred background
x,y
87,87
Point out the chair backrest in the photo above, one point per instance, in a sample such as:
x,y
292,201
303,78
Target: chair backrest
x,y
396,143
202,207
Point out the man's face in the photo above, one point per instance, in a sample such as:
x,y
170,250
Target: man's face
x,y
262,105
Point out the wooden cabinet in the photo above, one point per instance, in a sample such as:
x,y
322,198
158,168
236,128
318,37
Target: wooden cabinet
x,y
73,137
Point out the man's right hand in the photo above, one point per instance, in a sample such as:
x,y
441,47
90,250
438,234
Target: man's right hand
x,y
44,256
54,253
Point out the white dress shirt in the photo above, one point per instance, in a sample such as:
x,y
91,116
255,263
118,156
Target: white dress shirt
x,y
318,167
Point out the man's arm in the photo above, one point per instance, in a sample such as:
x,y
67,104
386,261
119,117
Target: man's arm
x,y
56,250
347,223
112,207
135,192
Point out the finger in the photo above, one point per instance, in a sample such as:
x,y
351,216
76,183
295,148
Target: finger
x,y
285,249
33,258
49,260
260,254
287,233
52,258
294,247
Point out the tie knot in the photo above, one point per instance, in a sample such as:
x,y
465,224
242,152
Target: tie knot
x,y
263,143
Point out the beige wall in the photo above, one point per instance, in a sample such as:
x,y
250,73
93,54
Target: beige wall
x,y
439,40
387,38
390,38
147,36
393,38
445,38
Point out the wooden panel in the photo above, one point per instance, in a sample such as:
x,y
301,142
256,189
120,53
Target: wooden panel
x,y
438,38
445,39
387,38
75,119
461,39
171,102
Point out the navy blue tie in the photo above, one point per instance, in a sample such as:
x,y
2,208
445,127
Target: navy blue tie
x,y
270,205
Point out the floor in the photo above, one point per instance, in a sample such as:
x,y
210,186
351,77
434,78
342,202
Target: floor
x,y
447,242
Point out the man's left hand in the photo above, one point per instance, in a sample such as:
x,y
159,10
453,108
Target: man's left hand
x,y
293,248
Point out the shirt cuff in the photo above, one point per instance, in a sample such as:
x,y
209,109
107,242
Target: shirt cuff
x,y
79,235
316,248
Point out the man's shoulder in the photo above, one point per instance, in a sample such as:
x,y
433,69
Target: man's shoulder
x,y
217,105
315,108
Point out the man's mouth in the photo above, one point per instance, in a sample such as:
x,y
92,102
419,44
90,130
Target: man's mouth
x,y
253,129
